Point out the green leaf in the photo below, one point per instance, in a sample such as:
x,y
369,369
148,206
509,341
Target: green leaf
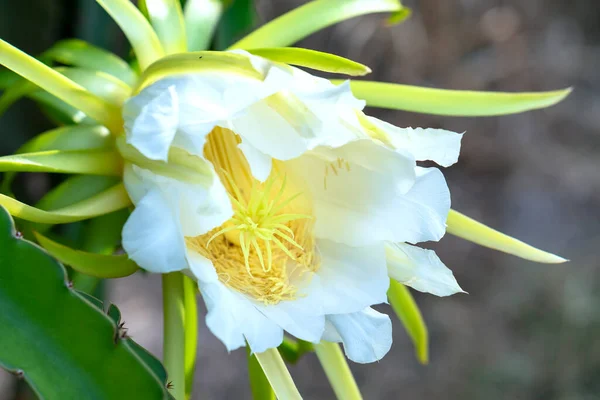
x,y
451,102
98,265
62,87
313,59
61,344
93,162
201,19
143,38
238,19
408,312
259,384
310,18
110,200
82,54
467,228
167,19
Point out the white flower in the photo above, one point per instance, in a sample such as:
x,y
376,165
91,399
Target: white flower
x,y
302,199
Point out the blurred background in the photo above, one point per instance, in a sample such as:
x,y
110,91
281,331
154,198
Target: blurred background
x,y
524,331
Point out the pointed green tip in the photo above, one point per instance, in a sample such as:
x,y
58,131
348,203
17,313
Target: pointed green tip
x,y
557,96
467,228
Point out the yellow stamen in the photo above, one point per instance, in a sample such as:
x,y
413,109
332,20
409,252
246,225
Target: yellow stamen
x,y
269,235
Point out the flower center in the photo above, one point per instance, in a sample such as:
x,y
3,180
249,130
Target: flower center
x,y
268,243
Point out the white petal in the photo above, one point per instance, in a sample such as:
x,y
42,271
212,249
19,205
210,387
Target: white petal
x,y
330,334
438,145
200,207
273,133
423,211
151,120
152,235
356,189
201,268
233,319
420,269
260,163
303,317
366,335
352,278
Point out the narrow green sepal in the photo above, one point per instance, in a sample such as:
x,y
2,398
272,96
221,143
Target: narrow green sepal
x,y
408,312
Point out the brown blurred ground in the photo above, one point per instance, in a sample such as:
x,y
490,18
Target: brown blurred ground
x,y
525,331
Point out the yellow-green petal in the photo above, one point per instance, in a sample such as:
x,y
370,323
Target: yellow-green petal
x,y
451,102
406,309
93,264
313,59
60,86
82,54
110,200
167,19
138,30
310,18
338,373
201,19
278,375
467,228
92,162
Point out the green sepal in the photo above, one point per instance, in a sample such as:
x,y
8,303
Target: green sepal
x,y
92,162
76,137
467,228
313,59
465,103
80,53
259,384
93,264
408,312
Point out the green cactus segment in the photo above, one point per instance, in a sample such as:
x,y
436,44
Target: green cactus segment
x,y
56,339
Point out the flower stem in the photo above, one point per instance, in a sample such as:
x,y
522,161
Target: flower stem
x,y
278,375
174,332
191,332
259,384
336,368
